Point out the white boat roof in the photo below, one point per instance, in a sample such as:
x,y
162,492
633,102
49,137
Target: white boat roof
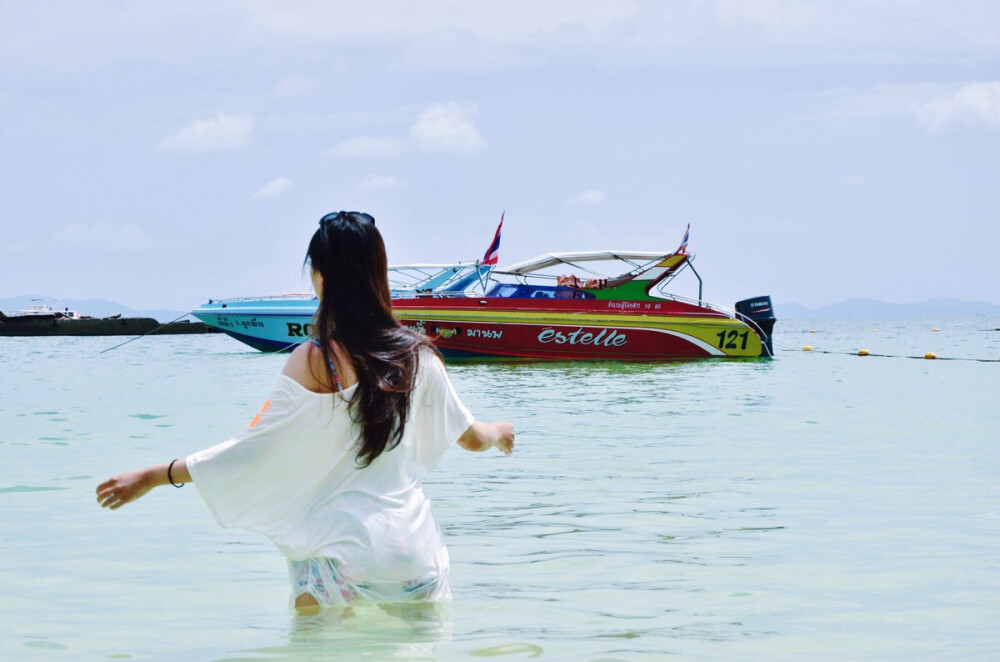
x,y
553,259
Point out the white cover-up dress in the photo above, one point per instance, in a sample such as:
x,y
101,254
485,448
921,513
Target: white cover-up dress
x,y
347,532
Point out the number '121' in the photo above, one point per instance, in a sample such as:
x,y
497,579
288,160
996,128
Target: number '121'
x,y
727,339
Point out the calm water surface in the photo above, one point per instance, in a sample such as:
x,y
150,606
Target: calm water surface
x,y
819,506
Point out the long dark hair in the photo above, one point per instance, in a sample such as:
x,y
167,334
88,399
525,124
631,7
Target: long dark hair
x,y
355,310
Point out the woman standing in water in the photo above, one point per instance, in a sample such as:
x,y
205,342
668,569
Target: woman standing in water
x,y
328,470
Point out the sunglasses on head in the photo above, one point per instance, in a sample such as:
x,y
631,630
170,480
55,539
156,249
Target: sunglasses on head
x,y
358,216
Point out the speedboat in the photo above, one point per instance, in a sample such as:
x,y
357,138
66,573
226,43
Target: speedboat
x,y
531,313
280,322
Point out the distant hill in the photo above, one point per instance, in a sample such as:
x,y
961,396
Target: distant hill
x,y
871,308
91,307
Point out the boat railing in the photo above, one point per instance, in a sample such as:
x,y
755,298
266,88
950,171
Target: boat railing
x,y
290,296
701,303
416,276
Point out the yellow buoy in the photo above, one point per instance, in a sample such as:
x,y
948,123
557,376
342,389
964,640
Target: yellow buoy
x,y
930,355
936,330
807,348
862,352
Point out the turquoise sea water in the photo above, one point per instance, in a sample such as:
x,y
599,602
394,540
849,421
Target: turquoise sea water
x,y
819,506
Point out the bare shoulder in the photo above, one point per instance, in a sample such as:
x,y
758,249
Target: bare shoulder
x,y
300,366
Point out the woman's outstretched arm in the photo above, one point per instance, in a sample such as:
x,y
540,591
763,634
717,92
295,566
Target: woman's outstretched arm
x,y
481,436
126,487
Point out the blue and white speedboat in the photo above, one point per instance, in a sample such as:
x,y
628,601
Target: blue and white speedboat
x,y
280,322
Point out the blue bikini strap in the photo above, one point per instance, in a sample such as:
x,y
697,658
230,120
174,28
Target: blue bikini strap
x,y
333,368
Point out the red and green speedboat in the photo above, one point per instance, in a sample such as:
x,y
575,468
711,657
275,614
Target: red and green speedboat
x,y
533,310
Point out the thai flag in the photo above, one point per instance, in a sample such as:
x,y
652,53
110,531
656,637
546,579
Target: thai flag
x,y
684,242
493,252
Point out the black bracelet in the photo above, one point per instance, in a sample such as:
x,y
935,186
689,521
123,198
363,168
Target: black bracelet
x,y
170,477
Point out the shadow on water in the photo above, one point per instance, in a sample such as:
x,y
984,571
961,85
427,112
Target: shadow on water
x,y
493,369
556,363
369,631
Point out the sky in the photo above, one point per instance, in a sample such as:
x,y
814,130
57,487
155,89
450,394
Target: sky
x,y
163,153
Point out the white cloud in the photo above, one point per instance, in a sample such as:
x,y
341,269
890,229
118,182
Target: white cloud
x,y
222,132
447,128
376,181
588,198
881,101
973,104
935,106
104,237
294,86
443,128
273,188
365,146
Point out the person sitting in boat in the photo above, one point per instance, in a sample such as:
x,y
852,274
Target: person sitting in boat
x,y
580,283
329,469
568,281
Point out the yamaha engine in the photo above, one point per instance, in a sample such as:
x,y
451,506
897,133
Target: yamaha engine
x,y
759,314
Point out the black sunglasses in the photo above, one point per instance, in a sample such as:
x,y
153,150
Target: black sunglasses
x,y
358,216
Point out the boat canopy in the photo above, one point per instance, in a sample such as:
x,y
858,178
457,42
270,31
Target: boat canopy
x,y
643,271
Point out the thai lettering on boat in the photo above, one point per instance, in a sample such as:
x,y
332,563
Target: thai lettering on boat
x,y
484,333
625,305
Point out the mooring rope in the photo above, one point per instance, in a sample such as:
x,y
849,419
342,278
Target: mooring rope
x,y
145,334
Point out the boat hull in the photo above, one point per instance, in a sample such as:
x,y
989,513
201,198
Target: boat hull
x,y
266,325
546,334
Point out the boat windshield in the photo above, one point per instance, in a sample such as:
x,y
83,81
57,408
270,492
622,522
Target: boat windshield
x,y
450,279
525,291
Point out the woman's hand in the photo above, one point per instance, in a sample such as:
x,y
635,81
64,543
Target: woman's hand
x,y
117,491
481,436
125,487
505,437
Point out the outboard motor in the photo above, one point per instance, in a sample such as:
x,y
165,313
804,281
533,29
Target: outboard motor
x,y
759,314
